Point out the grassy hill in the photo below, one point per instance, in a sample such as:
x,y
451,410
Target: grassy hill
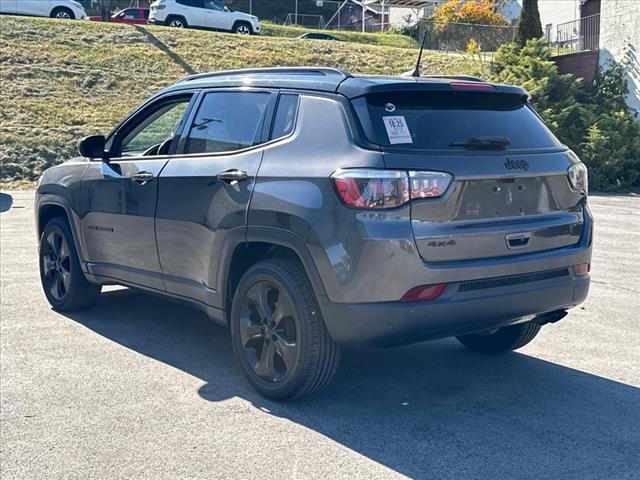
x,y
60,80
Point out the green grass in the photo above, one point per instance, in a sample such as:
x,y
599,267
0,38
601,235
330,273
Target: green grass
x,y
381,39
60,81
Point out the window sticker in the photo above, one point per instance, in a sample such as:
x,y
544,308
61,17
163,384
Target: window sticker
x,y
397,129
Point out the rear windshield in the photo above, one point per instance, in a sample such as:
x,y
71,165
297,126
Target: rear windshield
x,y
446,121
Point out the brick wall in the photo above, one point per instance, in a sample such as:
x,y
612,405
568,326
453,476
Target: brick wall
x,y
583,64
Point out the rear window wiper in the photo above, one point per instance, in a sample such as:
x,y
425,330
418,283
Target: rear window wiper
x,y
483,142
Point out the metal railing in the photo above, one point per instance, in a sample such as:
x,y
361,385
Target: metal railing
x,y
456,37
581,35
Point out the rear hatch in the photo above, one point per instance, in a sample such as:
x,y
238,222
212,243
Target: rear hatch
x,y
510,194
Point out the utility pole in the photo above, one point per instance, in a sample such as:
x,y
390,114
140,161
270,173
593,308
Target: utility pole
x,y
296,15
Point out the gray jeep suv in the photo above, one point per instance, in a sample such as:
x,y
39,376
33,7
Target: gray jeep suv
x,y
308,208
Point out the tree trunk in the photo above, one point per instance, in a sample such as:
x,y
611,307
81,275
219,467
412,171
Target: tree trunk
x,y
105,10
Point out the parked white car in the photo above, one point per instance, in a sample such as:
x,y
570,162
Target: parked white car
x,y
64,9
211,14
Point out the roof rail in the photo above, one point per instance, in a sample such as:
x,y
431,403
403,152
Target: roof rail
x,y
271,71
467,78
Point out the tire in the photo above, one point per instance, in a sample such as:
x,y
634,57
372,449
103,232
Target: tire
x,y
176,22
242,28
63,282
278,334
63,13
506,338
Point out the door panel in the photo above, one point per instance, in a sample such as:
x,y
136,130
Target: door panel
x,y
33,7
196,214
8,6
215,16
199,209
118,224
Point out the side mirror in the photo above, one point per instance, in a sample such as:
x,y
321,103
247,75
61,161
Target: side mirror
x,y
92,147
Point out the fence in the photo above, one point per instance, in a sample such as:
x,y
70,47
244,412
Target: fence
x,y
455,37
581,35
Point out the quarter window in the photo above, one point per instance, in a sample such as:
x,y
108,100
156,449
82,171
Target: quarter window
x,y
227,121
285,119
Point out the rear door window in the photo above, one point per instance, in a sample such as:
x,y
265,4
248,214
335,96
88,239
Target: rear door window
x,y
227,121
444,120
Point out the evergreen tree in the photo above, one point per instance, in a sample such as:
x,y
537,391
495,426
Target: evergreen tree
x,y
528,25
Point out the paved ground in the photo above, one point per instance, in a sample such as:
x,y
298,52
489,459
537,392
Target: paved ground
x,y
144,388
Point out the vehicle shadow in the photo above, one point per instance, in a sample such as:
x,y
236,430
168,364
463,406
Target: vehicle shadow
x,y
431,410
6,201
177,59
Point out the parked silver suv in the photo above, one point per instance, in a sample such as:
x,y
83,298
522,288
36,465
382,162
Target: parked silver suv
x,y
308,208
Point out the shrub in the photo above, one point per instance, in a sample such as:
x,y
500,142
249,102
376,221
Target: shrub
x,y
593,120
470,11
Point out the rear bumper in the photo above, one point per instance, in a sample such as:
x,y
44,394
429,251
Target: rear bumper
x,y
454,313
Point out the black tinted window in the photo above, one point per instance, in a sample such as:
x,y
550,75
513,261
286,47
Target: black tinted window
x,y
436,120
227,121
285,116
192,3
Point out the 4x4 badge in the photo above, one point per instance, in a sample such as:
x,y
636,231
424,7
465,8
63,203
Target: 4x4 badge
x,y
516,164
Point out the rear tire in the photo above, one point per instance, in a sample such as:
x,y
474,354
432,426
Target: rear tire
x,y
63,282
176,22
63,13
278,334
506,338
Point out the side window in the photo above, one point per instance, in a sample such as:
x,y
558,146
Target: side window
x,y
154,134
285,119
227,121
145,14
213,5
192,3
130,14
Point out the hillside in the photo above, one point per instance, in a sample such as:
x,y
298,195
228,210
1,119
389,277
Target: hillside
x,y
61,80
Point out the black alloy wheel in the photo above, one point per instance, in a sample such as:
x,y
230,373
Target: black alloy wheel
x,y
278,334
63,281
56,265
268,331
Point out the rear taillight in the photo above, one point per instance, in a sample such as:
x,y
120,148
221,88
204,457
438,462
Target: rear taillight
x,y
378,189
578,177
372,188
428,184
424,293
581,269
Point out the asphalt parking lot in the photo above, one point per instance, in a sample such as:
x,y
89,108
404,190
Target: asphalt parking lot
x,y
143,388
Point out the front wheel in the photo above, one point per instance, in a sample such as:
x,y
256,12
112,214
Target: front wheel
x,y
278,333
501,340
63,282
62,13
242,28
177,22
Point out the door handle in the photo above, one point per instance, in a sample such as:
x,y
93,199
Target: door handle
x,y
142,177
232,176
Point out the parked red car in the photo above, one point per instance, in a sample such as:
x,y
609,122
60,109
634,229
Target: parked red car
x,y
132,16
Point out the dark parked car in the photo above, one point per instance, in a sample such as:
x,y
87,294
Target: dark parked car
x,y
308,208
131,16
317,36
